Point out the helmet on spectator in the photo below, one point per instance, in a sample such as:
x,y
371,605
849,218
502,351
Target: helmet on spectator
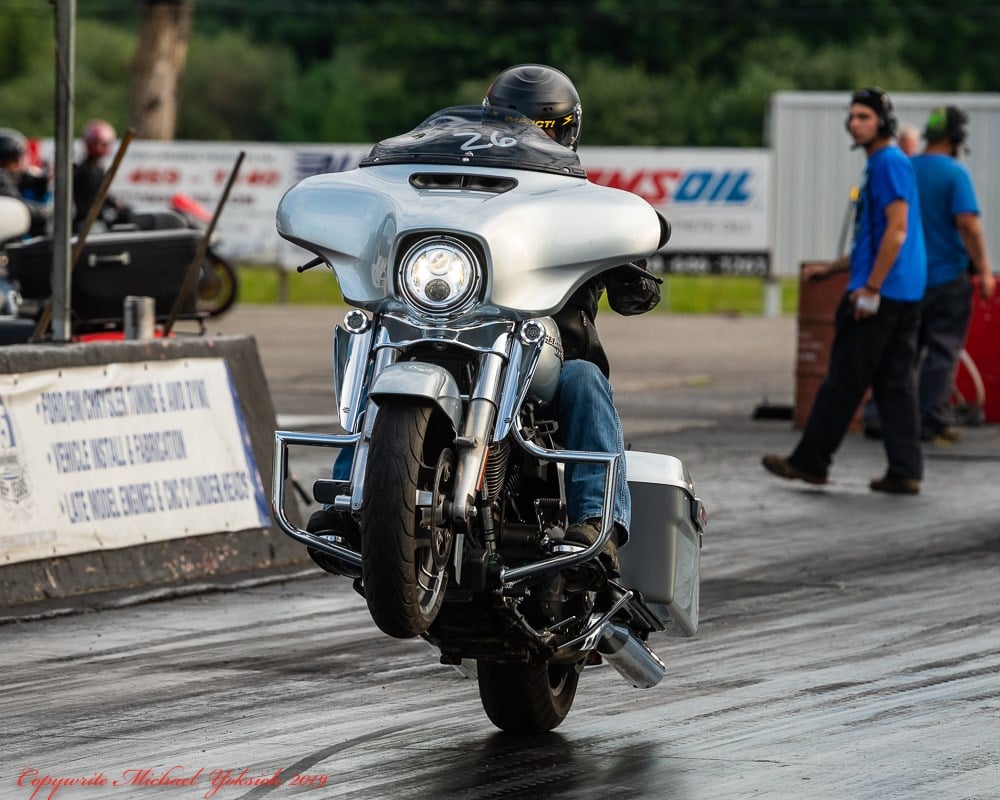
x,y
543,94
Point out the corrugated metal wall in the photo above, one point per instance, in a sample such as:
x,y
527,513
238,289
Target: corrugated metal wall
x,y
815,168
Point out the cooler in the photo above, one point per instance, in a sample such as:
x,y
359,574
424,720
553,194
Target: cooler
x,y
111,267
662,560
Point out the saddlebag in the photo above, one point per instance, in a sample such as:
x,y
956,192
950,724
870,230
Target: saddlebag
x,y
111,267
662,560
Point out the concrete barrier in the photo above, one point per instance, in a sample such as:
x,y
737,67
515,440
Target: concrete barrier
x,y
177,561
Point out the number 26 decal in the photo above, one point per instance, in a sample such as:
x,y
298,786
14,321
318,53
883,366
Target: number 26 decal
x,y
496,140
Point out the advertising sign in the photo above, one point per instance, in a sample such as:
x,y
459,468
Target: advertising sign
x,y
106,457
717,200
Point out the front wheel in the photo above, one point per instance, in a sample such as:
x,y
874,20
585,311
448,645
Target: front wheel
x,y
527,698
404,564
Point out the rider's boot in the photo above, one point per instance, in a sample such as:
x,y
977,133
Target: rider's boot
x,y
586,533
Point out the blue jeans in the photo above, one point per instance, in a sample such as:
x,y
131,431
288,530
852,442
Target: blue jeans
x,y
584,407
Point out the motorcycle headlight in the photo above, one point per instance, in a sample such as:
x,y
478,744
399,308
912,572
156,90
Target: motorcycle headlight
x,y
439,275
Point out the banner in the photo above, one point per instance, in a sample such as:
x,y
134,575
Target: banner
x,y
717,200
107,457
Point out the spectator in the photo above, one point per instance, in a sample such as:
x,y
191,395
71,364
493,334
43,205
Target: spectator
x,y
955,247
876,323
15,181
98,137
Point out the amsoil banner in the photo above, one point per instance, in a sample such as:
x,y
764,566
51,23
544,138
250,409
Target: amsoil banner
x,y
717,200
107,457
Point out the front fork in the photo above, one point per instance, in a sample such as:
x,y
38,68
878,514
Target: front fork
x,y
495,389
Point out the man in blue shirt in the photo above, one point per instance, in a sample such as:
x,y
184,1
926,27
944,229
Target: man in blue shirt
x,y
875,343
954,238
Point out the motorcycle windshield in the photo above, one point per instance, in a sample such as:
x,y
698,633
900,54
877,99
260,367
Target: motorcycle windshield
x,y
476,136
524,201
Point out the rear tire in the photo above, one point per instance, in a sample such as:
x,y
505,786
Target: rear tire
x,y
217,285
527,698
404,564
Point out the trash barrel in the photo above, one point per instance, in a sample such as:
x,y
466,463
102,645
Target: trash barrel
x,y
818,301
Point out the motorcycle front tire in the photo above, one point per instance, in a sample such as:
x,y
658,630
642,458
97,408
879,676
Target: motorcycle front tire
x,y
404,579
527,698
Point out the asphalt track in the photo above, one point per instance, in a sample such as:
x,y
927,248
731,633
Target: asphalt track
x,y
849,643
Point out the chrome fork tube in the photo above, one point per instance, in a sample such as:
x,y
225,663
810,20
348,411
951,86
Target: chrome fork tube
x,y
477,427
383,358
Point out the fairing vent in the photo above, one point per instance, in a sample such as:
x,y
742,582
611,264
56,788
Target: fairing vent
x,y
451,181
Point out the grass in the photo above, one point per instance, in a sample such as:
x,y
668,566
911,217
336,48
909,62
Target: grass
x,y
682,294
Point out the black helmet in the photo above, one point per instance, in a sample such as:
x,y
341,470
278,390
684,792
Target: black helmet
x,y
544,95
13,145
947,121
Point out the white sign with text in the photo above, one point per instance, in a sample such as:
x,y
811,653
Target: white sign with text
x,y
105,457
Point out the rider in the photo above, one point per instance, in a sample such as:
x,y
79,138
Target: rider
x,y
584,404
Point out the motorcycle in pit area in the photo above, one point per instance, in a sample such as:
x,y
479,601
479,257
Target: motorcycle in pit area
x,y
218,281
455,243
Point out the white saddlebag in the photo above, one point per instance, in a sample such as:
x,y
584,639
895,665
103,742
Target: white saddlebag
x,y
662,560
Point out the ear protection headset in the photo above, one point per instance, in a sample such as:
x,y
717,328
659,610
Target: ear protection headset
x,y
878,101
947,121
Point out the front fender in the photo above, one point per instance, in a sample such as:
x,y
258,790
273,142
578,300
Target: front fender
x,y
417,379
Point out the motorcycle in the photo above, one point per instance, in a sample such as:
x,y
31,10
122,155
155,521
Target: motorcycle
x,y
454,243
218,282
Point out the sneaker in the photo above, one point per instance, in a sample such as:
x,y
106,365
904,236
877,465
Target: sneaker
x,y
891,485
327,522
586,533
780,466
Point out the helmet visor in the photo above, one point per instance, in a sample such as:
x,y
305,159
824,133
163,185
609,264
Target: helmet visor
x,y
562,129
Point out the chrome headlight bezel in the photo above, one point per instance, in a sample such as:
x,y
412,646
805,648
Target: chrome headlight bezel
x,y
458,272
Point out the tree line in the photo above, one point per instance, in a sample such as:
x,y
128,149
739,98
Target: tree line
x,y
651,72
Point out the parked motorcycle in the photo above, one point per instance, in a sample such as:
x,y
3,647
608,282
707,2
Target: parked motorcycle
x,y
218,282
455,243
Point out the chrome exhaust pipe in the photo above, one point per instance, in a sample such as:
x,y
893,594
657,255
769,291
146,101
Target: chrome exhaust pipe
x,y
631,657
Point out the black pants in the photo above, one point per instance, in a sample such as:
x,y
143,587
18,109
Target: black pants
x,y
880,352
944,323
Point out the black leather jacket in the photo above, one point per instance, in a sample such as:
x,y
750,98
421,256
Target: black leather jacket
x,y
629,293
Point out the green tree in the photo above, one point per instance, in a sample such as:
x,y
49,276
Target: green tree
x,y
235,90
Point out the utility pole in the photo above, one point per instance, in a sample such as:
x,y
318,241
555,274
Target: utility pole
x,y
63,200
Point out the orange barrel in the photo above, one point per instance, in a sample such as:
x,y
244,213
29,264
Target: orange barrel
x,y
818,301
